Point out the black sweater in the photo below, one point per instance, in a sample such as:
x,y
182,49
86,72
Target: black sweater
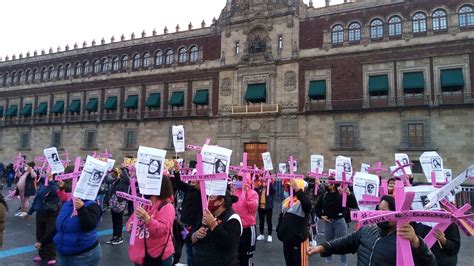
x,y
447,255
191,213
330,205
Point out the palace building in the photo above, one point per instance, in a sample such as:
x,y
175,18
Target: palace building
x,y
365,79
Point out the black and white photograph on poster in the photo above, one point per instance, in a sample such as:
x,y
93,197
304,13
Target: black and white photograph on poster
x,y
421,199
282,168
295,165
364,168
448,174
365,184
343,164
150,162
91,178
404,160
54,161
267,161
431,161
178,138
215,160
317,163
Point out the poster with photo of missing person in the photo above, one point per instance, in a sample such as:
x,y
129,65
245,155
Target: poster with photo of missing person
x,y
343,164
364,168
91,178
421,199
215,160
431,161
366,184
317,163
267,161
404,160
178,138
52,156
149,167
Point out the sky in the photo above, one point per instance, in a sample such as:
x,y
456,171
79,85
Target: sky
x,y
29,25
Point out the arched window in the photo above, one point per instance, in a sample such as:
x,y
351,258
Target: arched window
x,y
96,66
136,61
440,21
50,73
115,64
60,72
78,69
86,67
124,62
354,32
43,74
27,76
394,26
68,70
35,75
169,57
376,29
105,65
419,23
182,55
146,59
5,78
337,34
466,16
194,55
19,77
12,78
159,58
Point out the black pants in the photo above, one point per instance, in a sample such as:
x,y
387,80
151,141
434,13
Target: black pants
x,y
45,226
130,208
292,254
247,246
117,222
262,213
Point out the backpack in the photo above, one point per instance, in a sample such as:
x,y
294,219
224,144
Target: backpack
x,y
178,241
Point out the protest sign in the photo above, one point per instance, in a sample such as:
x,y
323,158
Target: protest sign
x,y
267,161
178,138
366,184
91,178
215,160
431,162
149,170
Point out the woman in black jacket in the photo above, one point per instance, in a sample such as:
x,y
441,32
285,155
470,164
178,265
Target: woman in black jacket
x,y
265,208
376,244
117,205
447,247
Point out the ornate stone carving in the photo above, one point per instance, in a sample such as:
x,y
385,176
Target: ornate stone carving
x,y
290,81
226,87
254,125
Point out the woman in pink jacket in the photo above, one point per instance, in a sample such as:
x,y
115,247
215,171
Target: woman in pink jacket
x,y
154,239
246,208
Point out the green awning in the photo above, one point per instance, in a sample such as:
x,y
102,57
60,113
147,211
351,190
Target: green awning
x,y
413,82
92,105
75,106
111,103
317,89
27,110
42,109
131,102
378,84
452,79
1,110
177,99
256,93
201,97
154,100
58,107
12,111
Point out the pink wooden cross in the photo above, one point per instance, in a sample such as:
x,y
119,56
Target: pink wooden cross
x,y
246,170
291,175
435,183
76,173
196,147
137,202
401,166
317,175
345,184
18,162
377,169
201,177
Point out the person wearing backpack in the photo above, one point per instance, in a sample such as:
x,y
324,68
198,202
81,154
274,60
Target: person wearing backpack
x,y
118,205
153,239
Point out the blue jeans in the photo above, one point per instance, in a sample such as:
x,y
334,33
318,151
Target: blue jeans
x,y
189,253
336,229
101,198
89,258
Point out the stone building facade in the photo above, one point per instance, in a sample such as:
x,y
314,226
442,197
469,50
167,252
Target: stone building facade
x,y
365,79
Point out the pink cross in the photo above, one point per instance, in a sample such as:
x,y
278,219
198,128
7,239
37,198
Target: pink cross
x,y
106,154
377,169
46,165
197,148
78,163
245,169
137,202
66,161
291,175
345,184
402,167
435,183
317,175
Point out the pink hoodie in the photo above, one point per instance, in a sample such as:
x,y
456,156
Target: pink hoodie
x,y
157,233
246,207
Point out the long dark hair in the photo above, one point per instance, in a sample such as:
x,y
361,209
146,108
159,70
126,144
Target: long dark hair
x,y
2,201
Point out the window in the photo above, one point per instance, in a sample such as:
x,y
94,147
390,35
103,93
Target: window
x,y
50,73
347,136
105,65
124,62
194,55
60,72
43,74
86,68
115,64
395,26
90,139
466,17
35,75
237,48
130,139
56,139
24,140
12,78
27,76
78,69
182,55
419,23
19,76
136,61
68,70
416,135
159,58
337,34
440,20
354,32
416,167
96,66
146,59
280,42
5,78
169,57
376,29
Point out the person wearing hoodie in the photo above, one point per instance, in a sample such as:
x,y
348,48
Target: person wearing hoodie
x,y
246,208
293,225
265,208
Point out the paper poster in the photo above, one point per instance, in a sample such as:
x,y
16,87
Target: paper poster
x,y
267,161
150,166
364,168
110,164
431,161
180,163
91,178
295,165
448,174
54,162
332,172
343,164
366,184
421,199
404,160
215,160
317,163
282,168
178,138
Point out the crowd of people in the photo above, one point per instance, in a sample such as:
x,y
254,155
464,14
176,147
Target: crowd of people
x,y
225,233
